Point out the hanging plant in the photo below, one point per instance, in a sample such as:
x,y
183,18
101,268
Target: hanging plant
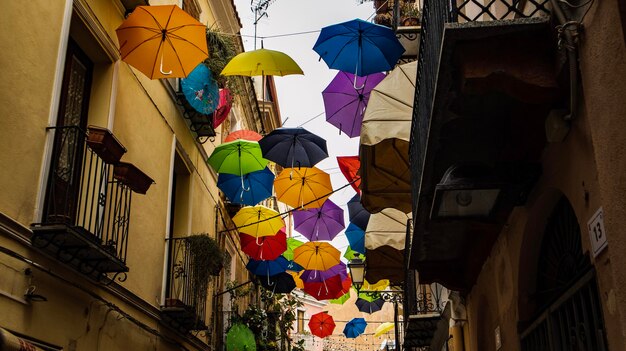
x,y
207,259
222,49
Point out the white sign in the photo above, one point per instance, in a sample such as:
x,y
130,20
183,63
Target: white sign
x,y
597,234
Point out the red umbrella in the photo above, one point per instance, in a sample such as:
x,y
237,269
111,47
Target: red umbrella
x,y
326,290
322,324
243,134
223,107
265,247
349,166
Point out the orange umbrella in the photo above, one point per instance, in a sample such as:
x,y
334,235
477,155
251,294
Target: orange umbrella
x,y
162,41
303,187
316,255
243,134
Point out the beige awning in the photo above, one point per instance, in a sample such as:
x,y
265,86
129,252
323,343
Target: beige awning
x,y
387,227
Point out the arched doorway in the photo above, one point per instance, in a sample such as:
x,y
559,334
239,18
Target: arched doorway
x,y
568,313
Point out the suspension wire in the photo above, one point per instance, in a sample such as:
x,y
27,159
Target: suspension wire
x,y
311,119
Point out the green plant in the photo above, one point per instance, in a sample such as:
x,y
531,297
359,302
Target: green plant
x,y
222,49
207,259
410,9
298,346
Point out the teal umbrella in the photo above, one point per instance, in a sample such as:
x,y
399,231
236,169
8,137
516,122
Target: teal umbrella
x,y
240,338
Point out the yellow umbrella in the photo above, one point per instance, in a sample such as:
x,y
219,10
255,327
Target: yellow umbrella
x,y
258,221
303,187
261,62
378,286
383,328
316,255
297,279
162,41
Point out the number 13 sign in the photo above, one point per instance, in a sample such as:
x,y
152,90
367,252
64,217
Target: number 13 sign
x,y
597,234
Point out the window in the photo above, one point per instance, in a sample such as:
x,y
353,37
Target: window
x,y
192,8
300,322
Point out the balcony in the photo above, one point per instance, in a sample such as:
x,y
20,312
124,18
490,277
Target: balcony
x,y
199,124
486,82
87,210
404,17
423,308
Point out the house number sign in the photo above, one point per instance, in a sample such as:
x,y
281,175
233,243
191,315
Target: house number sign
x,y
597,234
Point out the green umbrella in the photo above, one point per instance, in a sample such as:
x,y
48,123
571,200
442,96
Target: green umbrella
x,y
237,157
342,299
369,296
240,338
349,254
292,244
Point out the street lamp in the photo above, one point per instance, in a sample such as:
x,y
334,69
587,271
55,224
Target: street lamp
x,y
357,271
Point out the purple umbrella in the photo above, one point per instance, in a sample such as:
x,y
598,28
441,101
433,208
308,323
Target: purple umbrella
x,y
311,276
322,223
345,105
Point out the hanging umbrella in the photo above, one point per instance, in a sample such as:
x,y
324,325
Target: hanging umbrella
x,y
354,328
383,328
369,306
344,104
349,166
243,134
291,245
267,268
264,248
380,285
281,283
296,278
303,187
162,41
328,289
237,157
223,108
292,266
351,254
357,214
309,276
240,338
356,238
322,223
258,221
293,147
201,90
316,255
359,46
261,62
257,186
341,300
321,324
387,227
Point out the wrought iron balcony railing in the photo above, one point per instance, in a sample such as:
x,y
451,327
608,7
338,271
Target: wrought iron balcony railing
x,y
200,124
87,209
186,296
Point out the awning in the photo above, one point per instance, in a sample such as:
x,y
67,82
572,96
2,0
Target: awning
x,y
385,262
387,227
11,342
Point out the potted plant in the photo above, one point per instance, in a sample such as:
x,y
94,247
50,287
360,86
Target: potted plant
x,y
409,14
105,144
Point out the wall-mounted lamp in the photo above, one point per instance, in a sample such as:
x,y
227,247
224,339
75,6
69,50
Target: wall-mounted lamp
x,y
356,266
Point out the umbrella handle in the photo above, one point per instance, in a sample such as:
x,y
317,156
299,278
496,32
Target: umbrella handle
x,y
161,67
354,84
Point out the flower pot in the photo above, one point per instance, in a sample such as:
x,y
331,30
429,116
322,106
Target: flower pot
x,y
410,22
132,176
104,144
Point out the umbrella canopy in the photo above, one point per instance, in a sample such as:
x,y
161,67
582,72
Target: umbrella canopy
x,y
344,104
349,166
223,108
293,147
258,221
387,227
162,41
201,90
341,300
351,254
281,283
369,306
292,266
385,262
354,328
380,285
390,108
368,296
356,238
256,186
321,324
264,248
357,214
296,278
383,328
261,62
330,288
237,157
240,338
359,46
243,134
309,276
303,187
267,268
322,223
316,255
291,245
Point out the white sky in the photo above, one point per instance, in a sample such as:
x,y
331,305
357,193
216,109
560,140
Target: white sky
x,y
300,97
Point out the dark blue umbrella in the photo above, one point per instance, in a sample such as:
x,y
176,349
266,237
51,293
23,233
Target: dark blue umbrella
x,y
357,213
201,90
369,306
356,238
293,147
281,283
257,186
267,268
354,328
292,266
359,47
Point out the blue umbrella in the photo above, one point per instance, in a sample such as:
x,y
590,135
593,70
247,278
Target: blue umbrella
x,y
359,46
268,268
292,266
358,214
201,90
356,238
293,147
256,186
354,328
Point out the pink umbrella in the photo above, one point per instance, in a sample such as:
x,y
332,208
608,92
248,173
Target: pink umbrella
x,y
322,223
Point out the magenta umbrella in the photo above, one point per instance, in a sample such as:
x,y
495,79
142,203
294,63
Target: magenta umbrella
x,y
313,276
344,104
322,223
